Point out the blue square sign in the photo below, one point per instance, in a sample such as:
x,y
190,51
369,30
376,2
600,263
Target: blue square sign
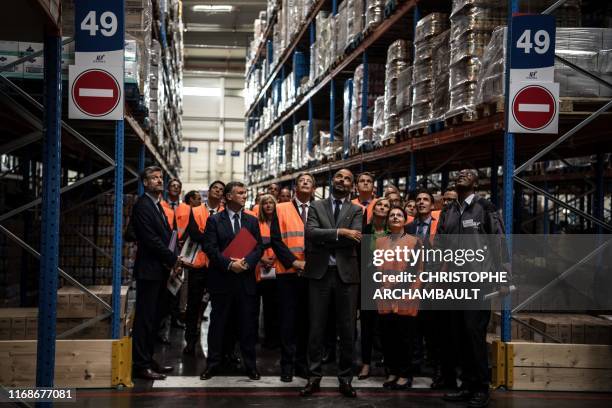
x,y
533,41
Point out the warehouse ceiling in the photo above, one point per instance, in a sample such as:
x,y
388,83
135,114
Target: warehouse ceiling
x,y
216,40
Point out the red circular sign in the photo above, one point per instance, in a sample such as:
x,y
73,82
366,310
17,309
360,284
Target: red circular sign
x,y
534,107
95,92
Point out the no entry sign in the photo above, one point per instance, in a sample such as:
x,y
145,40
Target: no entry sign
x,y
95,93
534,107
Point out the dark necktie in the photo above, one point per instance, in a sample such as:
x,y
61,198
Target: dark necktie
x,y
173,204
303,213
212,212
365,203
236,224
338,204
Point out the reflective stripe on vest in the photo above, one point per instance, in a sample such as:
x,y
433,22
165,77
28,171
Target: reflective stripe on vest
x,y
292,233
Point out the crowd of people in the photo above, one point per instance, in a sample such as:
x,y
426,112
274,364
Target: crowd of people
x,y
305,269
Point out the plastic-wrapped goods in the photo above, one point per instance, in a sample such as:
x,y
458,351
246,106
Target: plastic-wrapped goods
x,y
327,146
367,138
404,89
441,58
429,26
472,22
340,30
491,77
355,20
589,48
376,80
405,118
346,113
374,13
397,61
378,124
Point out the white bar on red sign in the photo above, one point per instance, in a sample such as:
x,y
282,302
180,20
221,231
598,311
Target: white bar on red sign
x,y
533,107
99,93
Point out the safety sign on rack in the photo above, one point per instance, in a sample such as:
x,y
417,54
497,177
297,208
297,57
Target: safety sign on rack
x,y
533,96
534,107
95,93
96,80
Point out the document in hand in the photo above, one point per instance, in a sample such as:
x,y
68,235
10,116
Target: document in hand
x,y
242,245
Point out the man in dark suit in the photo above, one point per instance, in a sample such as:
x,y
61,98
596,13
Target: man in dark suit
x,y
154,260
333,234
232,281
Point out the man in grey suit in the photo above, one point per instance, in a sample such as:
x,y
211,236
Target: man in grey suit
x,y
333,234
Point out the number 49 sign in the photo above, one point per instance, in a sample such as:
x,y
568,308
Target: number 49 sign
x,y
533,48
99,32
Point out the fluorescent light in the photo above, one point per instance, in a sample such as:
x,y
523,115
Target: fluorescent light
x,y
214,8
200,91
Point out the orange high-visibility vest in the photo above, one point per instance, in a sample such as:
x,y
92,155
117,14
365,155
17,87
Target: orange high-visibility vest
x,y
433,227
401,307
200,214
181,215
255,210
369,210
409,219
169,213
292,233
264,230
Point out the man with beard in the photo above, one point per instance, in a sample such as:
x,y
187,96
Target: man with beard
x,y
333,235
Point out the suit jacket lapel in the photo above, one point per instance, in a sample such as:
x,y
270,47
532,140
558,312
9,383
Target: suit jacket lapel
x,y
226,222
346,204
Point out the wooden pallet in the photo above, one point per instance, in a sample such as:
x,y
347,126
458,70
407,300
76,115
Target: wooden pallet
x,y
460,118
402,135
388,141
581,105
353,151
489,109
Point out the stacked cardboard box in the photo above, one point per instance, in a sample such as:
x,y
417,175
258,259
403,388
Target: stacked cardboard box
x,y
73,308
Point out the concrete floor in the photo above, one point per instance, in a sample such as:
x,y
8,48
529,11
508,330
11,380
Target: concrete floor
x,y
233,389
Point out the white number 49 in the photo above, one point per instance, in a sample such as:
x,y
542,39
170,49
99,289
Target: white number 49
x,y
541,40
108,21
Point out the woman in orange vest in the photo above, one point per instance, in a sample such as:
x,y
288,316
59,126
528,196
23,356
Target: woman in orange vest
x,y
369,318
398,316
265,273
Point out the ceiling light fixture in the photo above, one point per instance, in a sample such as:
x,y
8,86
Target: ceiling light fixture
x,y
201,91
213,8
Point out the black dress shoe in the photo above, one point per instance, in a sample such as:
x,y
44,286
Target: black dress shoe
x,y
286,378
311,387
163,340
458,396
161,368
480,399
253,374
347,390
149,374
399,387
189,349
208,374
389,384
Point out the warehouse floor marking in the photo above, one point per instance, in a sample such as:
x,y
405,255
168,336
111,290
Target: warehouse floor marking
x,y
272,382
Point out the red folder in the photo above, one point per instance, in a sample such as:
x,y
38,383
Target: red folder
x,y
242,245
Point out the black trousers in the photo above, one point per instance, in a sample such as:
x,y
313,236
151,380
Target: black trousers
x,y
221,320
398,340
150,299
470,328
195,291
437,327
293,311
368,320
268,292
320,294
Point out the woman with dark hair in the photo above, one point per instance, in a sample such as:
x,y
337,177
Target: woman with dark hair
x,y
398,317
265,273
368,319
